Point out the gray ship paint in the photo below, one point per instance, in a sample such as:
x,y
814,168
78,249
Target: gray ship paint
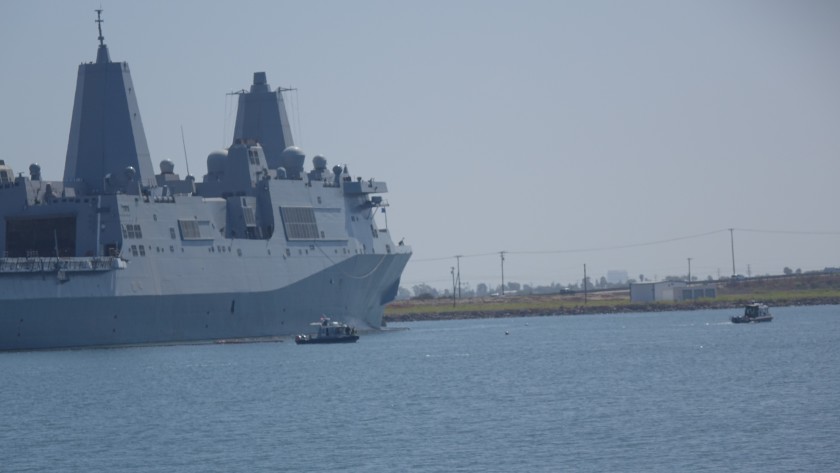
x,y
117,255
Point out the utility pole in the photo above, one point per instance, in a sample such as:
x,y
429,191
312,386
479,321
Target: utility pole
x,y
458,275
502,254
585,296
689,270
732,243
452,270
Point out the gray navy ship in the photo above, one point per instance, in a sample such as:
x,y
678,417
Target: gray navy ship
x,y
115,254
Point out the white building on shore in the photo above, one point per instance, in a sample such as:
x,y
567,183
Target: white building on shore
x,y
670,291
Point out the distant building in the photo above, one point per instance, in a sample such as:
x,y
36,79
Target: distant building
x,y
692,292
670,291
654,291
617,276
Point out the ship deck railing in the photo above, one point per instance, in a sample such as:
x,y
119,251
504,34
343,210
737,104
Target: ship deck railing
x,y
69,264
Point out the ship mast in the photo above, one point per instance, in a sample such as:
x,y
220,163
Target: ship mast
x,y
101,54
99,21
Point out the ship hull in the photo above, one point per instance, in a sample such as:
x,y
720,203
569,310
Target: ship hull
x,y
30,324
114,254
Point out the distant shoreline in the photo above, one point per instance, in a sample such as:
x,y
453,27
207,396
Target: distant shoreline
x,y
594,309
778,291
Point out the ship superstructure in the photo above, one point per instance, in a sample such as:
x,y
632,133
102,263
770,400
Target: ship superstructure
x,y
115,254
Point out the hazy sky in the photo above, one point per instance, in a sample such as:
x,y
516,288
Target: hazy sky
x,y
563,132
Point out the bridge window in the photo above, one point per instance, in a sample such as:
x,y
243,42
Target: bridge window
x,y
131,230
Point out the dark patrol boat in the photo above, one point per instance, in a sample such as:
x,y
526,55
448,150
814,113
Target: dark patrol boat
x,y
329,331
753,313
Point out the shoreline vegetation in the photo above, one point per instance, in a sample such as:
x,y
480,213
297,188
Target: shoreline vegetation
x,y
807,289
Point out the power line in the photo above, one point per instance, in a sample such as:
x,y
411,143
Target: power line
x,y
443,258
786,232
619,247
631,245
578,250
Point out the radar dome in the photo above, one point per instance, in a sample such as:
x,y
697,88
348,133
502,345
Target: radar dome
x,y
167,167
216,161
319,163
35,171
129,173
292,159
293,152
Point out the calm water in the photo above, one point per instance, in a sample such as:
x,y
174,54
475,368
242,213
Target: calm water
x,y
681,391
